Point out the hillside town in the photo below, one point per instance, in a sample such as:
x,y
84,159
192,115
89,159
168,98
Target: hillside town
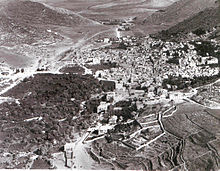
x,y
100,92
144,68
135,76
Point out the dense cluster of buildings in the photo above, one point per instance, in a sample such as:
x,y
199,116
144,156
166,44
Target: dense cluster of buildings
x,y
144,67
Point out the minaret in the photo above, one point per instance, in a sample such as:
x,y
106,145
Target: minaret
x,y
118,35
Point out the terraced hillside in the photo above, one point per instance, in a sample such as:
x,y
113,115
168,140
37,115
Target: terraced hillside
x,y
199,133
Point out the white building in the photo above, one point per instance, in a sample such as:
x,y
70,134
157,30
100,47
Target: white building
x,y
106,40
104,128
88,71
140,105
99,73
119,86
175,96
69,146
164,93
96,61
151,95
103,107
113,120
212,60
117,108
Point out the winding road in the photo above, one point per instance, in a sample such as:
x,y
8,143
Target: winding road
x,y
81,158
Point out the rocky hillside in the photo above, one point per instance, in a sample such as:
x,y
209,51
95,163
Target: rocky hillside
x,y
177,12
30,12
27,22
14,32
204,21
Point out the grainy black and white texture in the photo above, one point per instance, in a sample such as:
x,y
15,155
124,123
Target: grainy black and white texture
x,y
104,84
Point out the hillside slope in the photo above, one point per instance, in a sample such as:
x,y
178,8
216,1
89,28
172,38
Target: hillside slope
x,y
175,13
203,21
27,22
36,13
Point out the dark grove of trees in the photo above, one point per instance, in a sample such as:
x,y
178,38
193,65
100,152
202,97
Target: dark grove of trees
x,y
206,47
182,83
47,96
199,31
